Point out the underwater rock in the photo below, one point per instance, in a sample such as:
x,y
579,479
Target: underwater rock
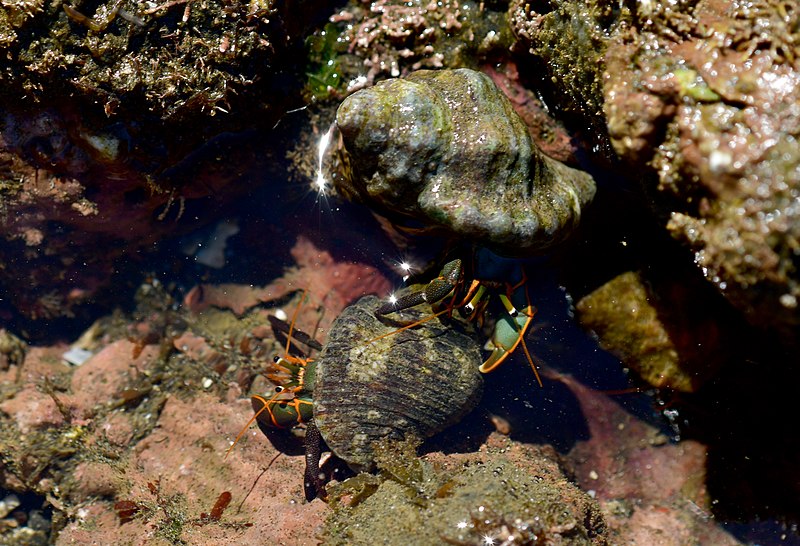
x,y
509,493
30,409
59,206
328,282
122,104
408,385
650,491
110,372
446,148
12,350
653,329
177,471
235,61
699,101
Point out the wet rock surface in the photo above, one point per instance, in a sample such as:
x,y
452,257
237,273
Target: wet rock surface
x,y
569,38
625,459
509,493
396,37
169,61
704,96
725,98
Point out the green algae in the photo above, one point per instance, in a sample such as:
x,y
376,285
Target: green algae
x,y
692,85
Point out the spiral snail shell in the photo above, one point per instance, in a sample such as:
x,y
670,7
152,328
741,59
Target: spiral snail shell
x,y
447,149
412,383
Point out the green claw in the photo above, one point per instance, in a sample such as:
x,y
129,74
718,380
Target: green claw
x,y
276,412
508,333
435,291
473,299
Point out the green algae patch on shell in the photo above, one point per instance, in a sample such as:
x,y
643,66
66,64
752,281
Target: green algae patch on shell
x,y
447,149
410,384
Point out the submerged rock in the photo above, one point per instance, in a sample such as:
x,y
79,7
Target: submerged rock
x,y
651,326
512,495
446,148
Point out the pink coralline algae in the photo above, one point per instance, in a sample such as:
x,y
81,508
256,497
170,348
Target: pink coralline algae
x,y
650,491
327,282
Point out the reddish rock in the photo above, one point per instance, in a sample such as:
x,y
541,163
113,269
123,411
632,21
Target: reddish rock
x,y
184,461
94,479
40,363
658,525
547,133
714,113
32,409
329,284
103,377
117,429
628,463
196,347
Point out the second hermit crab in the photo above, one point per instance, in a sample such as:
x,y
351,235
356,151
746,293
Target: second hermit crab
x,y
372,383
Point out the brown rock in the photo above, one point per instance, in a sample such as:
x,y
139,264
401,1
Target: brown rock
x,y
661,333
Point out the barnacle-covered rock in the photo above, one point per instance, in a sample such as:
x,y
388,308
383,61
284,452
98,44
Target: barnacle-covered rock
x,y
446,148
410,384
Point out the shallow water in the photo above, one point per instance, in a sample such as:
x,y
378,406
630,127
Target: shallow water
x,y
242,181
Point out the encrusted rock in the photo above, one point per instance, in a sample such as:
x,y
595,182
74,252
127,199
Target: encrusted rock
x,y
655,331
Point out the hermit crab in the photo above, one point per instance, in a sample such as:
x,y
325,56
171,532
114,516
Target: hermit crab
x,y
372,381
450,292
444,152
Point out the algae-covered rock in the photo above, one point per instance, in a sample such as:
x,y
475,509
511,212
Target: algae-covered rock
x,y
711,103
116,115
482,495
699,100
173,60
447,149
655,331
12,349
569,39
390,38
